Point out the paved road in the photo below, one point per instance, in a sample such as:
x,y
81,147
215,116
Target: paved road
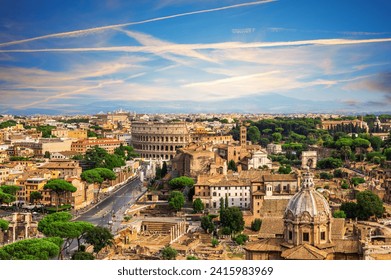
x,y
112,208
114,205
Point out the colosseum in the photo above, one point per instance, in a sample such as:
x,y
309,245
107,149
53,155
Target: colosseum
x,y
154,140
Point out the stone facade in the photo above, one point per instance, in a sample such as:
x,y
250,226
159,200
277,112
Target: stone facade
x,y
271,194
309,158
330,124
274,148
307,218
155,140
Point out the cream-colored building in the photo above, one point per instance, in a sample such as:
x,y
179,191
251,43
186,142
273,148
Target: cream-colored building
x,y
235,186
84,194
67,133
4,173
40,147
258,160
82,146
65,168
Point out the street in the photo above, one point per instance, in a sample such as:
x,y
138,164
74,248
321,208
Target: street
x,y
110,212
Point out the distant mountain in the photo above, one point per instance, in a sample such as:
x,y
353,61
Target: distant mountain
x,y
272,103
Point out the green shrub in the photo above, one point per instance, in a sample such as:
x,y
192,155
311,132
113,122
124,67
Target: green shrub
x,y
256,224
241,239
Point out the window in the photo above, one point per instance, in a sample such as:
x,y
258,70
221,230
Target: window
x,y
290,235
323,235
306,236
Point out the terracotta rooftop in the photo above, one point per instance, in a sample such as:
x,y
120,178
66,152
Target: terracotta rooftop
x,y
265,245
271,227
304,252
279,177
61,164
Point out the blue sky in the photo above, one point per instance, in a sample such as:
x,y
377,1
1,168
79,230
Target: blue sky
x,y
283,56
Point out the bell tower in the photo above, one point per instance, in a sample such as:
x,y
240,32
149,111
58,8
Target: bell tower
x,y
243,136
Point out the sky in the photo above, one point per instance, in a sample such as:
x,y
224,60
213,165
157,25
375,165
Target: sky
x,y
195,56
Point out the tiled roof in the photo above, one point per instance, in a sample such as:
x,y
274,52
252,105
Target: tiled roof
x,y
304,252
269,244
271,227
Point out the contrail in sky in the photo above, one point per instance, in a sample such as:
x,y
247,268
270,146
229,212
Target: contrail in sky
x,y
217,46
107,27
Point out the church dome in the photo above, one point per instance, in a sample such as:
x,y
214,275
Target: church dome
x,y
307,201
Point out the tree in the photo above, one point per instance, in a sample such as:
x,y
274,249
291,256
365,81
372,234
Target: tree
x,y
91,176
376,142
232,218
95,156
253,134
98,176
329,163
8,123
10,189
326,176
350,209
214,242
60,225
387,152
369,204
59,187
80,255
338,173
207,224
4,225
232,165
339,214
256,224
241,239
99,237
357,180
176,200
361,143
277,137
47,154
8,193
34,196
32,249
346,151
169,253
6,198
181,182
191,258
198,206
112,161
285,169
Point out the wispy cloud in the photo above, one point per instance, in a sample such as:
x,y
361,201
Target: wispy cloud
x,y
163,47
230,80
225,45
114,26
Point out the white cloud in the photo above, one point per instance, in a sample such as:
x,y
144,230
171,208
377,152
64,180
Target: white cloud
x,y
115,26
